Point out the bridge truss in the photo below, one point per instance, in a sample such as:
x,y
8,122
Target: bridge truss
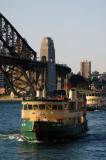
x,y
15,53
19,64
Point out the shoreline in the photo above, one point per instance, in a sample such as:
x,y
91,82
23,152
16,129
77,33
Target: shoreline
x,y
10,100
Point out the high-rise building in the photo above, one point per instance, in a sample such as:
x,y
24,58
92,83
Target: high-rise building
x,y
85,68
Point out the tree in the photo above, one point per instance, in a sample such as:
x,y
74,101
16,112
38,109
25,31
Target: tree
x,y
78,81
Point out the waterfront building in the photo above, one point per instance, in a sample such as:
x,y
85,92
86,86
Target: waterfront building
x,y
85,68
2,83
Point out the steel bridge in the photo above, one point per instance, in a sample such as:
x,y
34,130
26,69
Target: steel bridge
x,y
19,64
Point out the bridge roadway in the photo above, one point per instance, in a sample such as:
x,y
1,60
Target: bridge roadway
x,y
31,64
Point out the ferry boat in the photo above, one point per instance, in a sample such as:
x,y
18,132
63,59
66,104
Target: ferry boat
x,y
94,101
49,119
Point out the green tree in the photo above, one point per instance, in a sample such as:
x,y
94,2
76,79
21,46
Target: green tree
x,y
78,81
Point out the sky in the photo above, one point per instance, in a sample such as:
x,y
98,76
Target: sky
x,y
77,27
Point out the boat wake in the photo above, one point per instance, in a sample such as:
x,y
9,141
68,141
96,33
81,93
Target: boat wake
x,y
18,137
13,136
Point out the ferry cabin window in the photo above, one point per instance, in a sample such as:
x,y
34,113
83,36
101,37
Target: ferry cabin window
x,y
25,107
48,107
30,107
54,107
65,106
35,107
72,106
41,106
60,107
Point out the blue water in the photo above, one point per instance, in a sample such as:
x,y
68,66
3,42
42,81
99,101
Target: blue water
x,y
12,147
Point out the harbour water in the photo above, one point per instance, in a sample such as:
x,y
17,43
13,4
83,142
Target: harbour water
x,y
90,147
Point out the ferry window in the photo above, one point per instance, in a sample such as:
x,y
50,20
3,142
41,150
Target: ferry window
x,y
79,120
60,107
54,107
59,120
48,107
65,106
35,107
69,107
72,106
41,106
29,107
25,107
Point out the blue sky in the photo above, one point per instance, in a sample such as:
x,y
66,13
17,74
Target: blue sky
x,y
77,27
